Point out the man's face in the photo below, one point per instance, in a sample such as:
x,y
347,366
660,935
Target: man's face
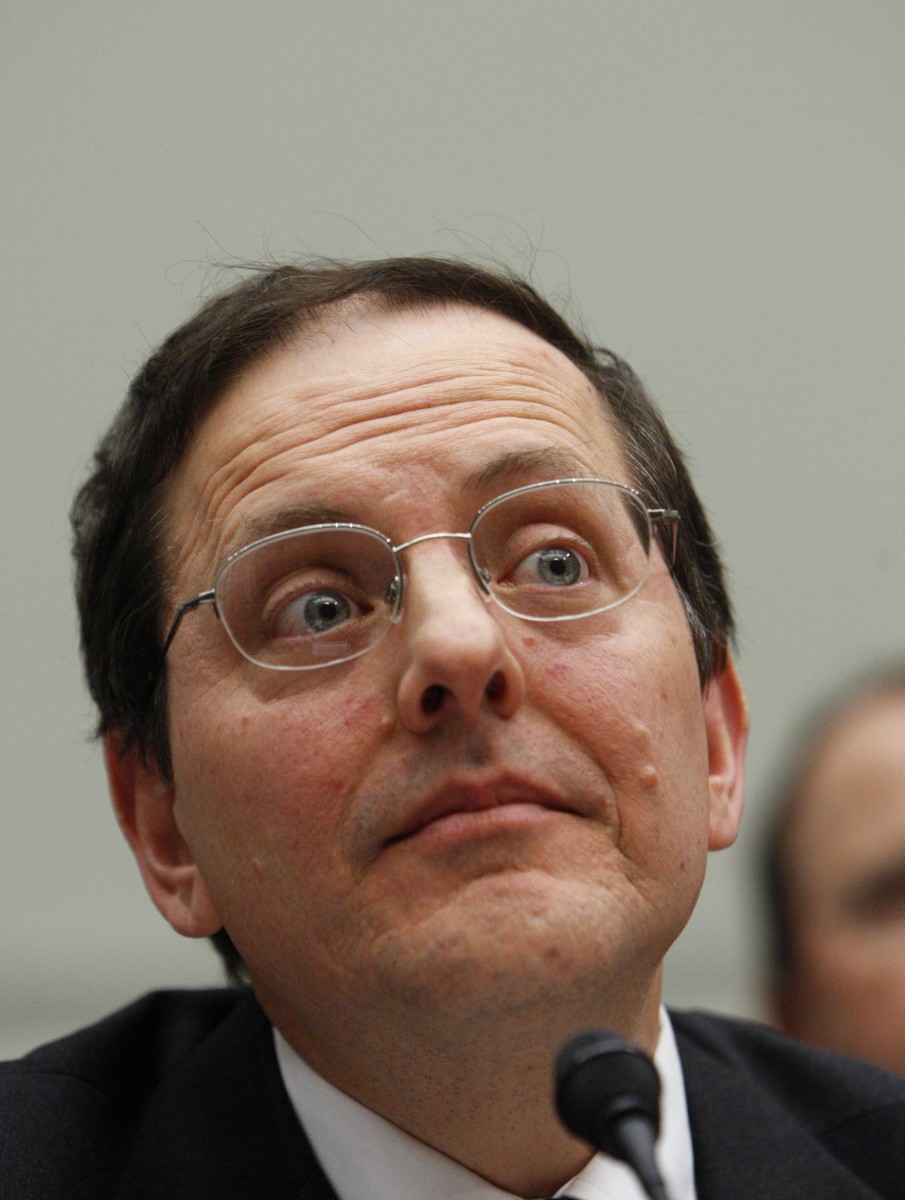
x,y
847,990
480,811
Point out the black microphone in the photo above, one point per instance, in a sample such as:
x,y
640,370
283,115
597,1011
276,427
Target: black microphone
x,y
608,1094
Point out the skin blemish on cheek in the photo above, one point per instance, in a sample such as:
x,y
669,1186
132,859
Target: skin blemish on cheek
x,y
642,736
386,724
648,776
365,714
649,779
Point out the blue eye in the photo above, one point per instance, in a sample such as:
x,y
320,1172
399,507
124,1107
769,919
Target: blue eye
x,y
313,612
558,566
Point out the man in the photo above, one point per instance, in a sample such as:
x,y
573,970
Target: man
x,y
411,648
836,874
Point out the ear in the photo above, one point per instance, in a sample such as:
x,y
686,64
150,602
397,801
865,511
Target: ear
x,y
726,722
144,801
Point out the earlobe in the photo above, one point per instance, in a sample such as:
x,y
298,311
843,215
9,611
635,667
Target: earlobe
x,y
144,803
726,721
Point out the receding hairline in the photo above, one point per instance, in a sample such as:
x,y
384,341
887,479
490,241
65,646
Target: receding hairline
x,y
323,322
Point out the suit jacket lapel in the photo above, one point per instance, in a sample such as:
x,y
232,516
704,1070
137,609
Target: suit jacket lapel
x,y
746,1144
221,1126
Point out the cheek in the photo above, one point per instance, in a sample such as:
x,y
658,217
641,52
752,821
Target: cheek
x,y
636,710
635,707
263,785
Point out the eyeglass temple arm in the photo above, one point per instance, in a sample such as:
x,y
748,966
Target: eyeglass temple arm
x,y
187,605
668,516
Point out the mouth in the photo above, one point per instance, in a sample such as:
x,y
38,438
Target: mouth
x,y
476,807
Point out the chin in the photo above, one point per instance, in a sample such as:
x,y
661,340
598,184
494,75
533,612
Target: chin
x,y
508,944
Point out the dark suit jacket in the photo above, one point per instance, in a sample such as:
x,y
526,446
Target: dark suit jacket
x,y
180,1096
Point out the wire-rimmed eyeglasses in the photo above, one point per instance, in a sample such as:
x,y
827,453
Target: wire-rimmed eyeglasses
x,y
323,594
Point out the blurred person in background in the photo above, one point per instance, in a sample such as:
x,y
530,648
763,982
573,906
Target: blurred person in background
x,y
835,875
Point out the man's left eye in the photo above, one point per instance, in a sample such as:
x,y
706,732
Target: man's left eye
x,y
557,566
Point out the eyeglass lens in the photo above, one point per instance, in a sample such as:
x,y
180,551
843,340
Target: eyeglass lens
x,y
549,552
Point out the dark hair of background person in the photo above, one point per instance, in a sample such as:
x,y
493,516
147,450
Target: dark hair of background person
x,y
791,782
118,513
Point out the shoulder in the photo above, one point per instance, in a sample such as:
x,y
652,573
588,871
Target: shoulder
x,y
790,1070
749,1086
137,1042
67,1109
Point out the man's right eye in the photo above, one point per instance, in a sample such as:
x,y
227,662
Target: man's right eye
x,y
309,613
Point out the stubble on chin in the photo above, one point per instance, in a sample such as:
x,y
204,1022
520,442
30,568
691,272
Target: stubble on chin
x,y
508,944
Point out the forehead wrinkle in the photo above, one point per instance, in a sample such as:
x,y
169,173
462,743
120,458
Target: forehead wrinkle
x,y
572,405
334,411
531,372
347,427
219,497
387,444
470,366
420,400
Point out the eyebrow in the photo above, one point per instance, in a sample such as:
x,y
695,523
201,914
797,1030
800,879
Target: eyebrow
x,y
291,516
547,462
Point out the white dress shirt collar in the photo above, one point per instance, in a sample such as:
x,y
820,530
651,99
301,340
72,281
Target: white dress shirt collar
x,y
366,1157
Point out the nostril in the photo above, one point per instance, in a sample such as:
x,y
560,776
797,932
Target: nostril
x,y
496,686
432,698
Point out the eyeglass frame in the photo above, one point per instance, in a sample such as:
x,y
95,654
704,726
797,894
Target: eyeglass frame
x,y
655,516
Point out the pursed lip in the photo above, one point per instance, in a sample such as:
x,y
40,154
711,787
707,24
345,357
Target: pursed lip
x,y
478,796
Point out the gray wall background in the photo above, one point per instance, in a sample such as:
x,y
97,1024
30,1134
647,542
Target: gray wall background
x,y
717,188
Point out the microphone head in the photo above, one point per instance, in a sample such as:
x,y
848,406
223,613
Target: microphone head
x,y
600,1078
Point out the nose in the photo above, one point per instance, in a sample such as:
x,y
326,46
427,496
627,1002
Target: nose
x,y
457,654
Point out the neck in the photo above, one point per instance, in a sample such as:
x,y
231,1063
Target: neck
x,y
479,1088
